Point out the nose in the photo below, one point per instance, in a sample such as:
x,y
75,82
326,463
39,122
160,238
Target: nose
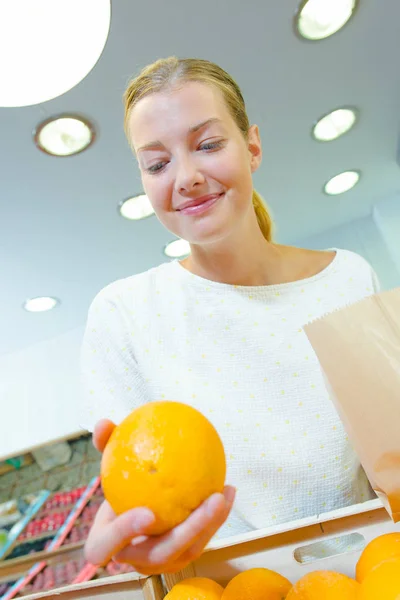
x,y
188,176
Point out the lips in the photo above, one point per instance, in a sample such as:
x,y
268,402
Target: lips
x,y
199,201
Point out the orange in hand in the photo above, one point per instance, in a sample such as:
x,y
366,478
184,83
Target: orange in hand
x,y
380,549
257,584
326,585
165,456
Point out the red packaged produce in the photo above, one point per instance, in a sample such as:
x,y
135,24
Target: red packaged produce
x,y
71,570
59,576
38,582
74,537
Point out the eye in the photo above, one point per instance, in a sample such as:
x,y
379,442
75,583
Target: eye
x,y
156,168
210,146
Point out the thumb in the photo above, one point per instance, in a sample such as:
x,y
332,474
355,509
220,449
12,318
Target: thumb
x,y
101,434
107,539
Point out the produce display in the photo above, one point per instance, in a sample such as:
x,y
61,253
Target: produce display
x,y
12,511
41,575
82,526
64,573
15,515
44,523
4,587
56,576
376,577
41,530
23,549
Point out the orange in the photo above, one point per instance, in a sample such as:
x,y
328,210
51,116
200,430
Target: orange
x,y
325,585
195,588
382,582
381,548
165,456
257,584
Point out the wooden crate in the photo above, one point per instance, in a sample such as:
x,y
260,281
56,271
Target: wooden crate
x,y
130,586
120,587
17,567
291,549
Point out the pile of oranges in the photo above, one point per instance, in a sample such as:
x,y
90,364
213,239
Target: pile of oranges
x,y
377,577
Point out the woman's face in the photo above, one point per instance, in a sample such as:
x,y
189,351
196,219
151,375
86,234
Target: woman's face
x,y
195,164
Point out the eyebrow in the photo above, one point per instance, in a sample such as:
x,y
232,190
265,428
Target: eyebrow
x,y
203,124
194,129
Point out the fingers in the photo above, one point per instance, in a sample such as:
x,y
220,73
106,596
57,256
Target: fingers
x,y
164,553
101,434
125,536
109,534
197,548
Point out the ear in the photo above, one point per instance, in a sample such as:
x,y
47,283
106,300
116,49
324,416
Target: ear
x,y
254,147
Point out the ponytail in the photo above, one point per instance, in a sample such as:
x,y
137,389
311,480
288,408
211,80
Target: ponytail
x,y
263,217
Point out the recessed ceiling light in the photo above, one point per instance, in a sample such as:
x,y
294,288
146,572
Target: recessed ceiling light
x,y
342,183
177,249
64,135
40,304
136,208
335,124
50,47
319,19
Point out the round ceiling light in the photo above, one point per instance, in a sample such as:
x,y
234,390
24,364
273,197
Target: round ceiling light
x,y
64,135
50,47
40,304
335,124
177,249
136,208
342,183
319,19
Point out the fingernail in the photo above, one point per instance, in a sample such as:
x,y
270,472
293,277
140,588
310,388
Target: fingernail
x,y
143,518
229,493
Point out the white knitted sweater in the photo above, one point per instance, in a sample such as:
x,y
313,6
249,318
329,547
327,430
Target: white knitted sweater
x,y
240,356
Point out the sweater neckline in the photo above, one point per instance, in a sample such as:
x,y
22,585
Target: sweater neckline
x,y
279,287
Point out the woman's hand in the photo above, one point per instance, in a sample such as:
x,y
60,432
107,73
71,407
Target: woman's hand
x,y
124,537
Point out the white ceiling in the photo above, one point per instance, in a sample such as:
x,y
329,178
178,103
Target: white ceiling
x,y
60,231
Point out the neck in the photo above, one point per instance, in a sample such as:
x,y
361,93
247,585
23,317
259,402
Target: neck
x,y
246,259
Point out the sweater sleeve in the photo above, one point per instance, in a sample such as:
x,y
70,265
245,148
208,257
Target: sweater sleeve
x,y
111,383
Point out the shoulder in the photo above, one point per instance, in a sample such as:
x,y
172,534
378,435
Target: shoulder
x,y
353,265
340,265
350,267
127,291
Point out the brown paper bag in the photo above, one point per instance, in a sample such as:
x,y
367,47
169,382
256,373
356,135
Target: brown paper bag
x,y
359,351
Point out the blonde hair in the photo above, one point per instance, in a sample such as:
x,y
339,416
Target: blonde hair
x,y
169,73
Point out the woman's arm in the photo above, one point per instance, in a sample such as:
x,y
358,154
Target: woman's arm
x,y
112,388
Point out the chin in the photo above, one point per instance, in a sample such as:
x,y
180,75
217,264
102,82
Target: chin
x,y
214,233
207,238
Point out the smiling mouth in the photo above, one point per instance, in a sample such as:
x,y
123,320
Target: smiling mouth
x,y
202,206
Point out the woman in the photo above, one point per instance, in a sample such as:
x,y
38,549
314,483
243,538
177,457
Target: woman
x,y
222,329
